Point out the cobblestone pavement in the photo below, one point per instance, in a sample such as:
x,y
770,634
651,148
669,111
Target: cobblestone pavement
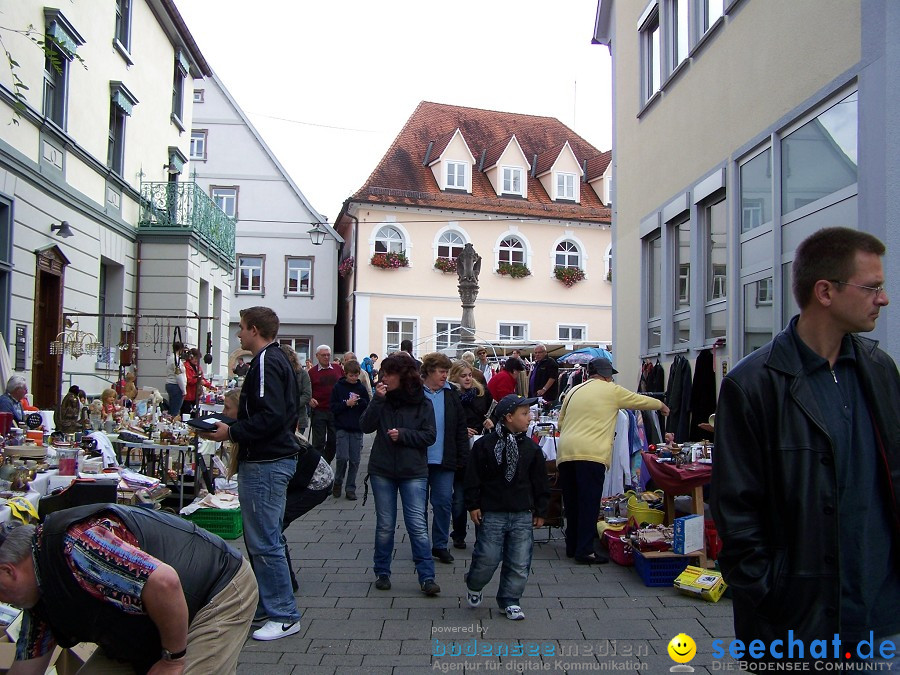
x,y
578,618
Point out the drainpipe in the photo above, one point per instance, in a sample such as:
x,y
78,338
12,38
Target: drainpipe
x,y
355,277
137,307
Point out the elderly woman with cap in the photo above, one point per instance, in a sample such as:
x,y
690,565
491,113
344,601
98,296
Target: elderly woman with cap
x,y
587,423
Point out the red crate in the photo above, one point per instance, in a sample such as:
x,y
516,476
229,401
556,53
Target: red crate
x,y
618,551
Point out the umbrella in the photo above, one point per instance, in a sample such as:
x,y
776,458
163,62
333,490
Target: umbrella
x,y
585,355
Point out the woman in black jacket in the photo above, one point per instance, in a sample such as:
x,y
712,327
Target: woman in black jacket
x,y
476,403
403,422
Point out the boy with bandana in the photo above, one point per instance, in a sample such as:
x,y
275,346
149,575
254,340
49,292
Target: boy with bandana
x,y
507,493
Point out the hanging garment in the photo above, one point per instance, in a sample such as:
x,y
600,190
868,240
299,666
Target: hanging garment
x,y
703,395
619,473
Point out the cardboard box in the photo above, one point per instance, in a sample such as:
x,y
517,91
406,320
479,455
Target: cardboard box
x,y
688,532
707,584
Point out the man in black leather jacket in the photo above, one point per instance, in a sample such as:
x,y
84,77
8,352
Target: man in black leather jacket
x,y
806,477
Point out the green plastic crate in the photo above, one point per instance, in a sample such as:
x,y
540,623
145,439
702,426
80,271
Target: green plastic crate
x,y
226,523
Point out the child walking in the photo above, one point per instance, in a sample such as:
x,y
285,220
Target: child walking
x,y
507,493
349,399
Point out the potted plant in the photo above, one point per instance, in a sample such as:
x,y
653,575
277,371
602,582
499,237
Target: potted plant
x,y
514,270
346,266
445,265
569,275
390,260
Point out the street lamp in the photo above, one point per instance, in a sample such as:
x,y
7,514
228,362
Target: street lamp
x,y
63,230
317,234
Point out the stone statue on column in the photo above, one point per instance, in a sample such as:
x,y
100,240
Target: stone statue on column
x,y
468,267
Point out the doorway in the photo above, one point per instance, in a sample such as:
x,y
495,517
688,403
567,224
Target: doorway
x,y
46,373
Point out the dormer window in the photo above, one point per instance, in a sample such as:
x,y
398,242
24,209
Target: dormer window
x,y
456,176
565,186
512,180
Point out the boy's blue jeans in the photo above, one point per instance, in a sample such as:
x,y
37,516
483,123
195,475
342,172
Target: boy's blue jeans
x,y
348,448
506,537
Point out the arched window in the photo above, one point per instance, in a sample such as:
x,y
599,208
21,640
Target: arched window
x,y
609,262
512,250
450,245
567,255
389,240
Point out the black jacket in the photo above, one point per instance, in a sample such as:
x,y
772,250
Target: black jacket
x,y
774,488
267,411
486,487
347,417
412,415
545,369
476,410
456,437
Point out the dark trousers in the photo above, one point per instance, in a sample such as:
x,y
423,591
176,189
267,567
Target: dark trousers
x,y
582,487
298,503
458,507
324,435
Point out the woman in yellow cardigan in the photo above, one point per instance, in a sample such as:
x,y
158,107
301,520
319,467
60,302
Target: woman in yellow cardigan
x,y
587,426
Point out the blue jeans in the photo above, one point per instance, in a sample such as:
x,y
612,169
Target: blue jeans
x,y
505,537
440,493
176,396
348,448
262,487
458,508
413,496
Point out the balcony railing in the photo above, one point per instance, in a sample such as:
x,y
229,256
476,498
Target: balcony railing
x,y
173,207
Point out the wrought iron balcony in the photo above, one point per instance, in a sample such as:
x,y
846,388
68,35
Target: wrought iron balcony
x,y
184,207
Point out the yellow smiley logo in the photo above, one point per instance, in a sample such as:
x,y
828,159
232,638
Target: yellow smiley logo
x,y
682,648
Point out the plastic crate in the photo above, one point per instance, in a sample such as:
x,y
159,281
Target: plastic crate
x,y
620,554
226,523
659,572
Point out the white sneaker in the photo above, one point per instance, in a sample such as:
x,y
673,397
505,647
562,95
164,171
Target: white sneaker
x,y
473,597
514,613
275,629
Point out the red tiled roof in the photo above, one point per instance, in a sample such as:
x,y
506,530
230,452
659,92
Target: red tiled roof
x,y
439,147
400,177
546,159
597,165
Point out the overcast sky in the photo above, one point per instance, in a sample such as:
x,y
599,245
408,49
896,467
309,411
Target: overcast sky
x,y
330,84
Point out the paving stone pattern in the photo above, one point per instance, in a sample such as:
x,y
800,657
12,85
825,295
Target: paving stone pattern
x,y
578,618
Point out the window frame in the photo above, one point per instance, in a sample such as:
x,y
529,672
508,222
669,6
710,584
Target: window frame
x,y
239,266
575,250
650,39
501,250
451,163
566,178
292,341
122,29
199,96
288,259
454,325
115,151
569,326
501,325
504,179
652,245
380,239
439,243
203,136
412,335
181,69
214,189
